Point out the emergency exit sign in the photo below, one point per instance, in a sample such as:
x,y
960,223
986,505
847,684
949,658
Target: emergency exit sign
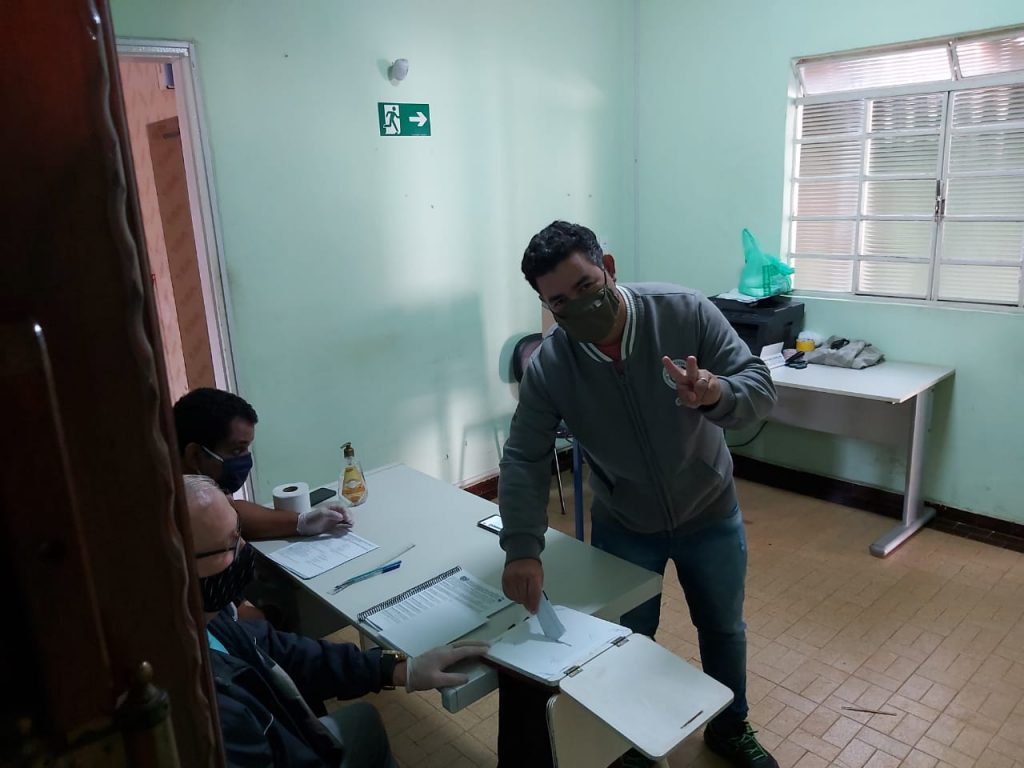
x,y
403,119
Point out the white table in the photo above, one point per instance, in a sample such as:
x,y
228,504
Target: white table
x,y
407,507
888,403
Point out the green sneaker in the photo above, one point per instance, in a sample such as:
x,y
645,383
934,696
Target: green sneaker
x,y
738,745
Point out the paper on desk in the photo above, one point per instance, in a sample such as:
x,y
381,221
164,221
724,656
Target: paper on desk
x,y
444,623
524,648
435,612
549,622
735,295
772,356
312,557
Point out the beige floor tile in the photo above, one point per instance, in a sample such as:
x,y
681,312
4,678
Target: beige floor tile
x,y
856,754
918,759
882,760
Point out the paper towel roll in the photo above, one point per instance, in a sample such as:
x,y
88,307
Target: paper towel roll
x,y
292,497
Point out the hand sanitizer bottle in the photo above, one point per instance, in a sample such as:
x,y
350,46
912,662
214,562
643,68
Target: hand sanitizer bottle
x,y
353,484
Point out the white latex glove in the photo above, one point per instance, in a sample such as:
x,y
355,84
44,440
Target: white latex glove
x,y
428,670
323,518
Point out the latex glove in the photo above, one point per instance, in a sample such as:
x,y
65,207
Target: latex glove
x,y
428,670
323,518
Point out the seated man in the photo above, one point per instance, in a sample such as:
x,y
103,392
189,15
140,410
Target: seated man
x,y
266,680
215,431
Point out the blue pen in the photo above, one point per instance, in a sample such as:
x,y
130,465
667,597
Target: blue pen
x,y
368,575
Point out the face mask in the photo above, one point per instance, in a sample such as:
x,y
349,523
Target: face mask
x,y
234,471
226,587
590,318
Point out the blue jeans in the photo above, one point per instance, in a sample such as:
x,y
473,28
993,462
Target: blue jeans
x,y
712,567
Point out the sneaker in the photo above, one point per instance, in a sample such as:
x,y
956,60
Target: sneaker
x,y
740,747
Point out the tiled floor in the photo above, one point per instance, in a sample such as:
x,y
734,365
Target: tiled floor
x,y
933,635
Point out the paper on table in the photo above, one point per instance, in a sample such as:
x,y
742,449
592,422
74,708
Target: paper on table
x,y
435,612
549,622
772,356
735,295
525,649
441,625
312,557
460,588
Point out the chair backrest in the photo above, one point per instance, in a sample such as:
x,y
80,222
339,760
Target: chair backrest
x,y
524,349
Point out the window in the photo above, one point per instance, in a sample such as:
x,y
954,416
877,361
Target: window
x,y
908,171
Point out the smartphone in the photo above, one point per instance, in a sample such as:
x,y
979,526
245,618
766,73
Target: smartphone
x,y
318,495
492,524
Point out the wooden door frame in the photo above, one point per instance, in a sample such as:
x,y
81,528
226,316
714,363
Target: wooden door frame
x,y
181,54
209,247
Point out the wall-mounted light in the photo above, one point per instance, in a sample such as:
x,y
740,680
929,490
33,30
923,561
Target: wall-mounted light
x,y
398,70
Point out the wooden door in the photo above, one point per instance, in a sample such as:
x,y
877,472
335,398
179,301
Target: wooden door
x,y
95,553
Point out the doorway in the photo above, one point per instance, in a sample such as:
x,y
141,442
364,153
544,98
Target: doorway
x,y
178,212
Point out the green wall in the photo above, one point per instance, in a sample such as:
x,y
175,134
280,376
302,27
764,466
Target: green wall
x,y
711,102
375,282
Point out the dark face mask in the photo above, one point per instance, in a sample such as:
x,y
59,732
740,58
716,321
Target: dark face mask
x,y
234,470
590,318
227,586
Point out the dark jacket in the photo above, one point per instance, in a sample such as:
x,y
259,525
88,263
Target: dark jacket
x,y
657,465
261,724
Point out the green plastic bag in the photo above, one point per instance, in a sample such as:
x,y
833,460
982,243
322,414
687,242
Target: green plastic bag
x,y
763,275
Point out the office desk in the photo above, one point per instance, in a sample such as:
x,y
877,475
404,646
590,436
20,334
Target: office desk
x,y
407,507
887,403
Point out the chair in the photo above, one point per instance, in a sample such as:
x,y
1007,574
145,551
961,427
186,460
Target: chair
x,y
521,355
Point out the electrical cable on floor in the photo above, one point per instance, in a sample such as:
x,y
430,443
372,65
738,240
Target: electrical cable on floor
x,y
748,442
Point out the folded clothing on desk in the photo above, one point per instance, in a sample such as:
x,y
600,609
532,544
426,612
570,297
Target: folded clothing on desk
x,y
852,354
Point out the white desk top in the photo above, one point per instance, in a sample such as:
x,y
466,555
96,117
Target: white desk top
x,y
405,507
891,382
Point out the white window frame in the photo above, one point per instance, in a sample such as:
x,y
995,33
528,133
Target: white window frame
x,y
947,88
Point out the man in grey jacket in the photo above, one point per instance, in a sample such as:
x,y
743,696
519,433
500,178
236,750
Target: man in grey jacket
x,y
646,377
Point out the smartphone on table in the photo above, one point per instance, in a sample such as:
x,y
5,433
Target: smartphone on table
x,y
492,524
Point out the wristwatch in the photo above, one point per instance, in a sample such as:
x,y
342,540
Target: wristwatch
x,y
388,661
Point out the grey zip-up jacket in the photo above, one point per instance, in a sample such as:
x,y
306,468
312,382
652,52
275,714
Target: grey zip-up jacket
x,y
656,465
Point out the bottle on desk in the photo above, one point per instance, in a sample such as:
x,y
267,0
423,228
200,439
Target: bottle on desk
x,y
353,484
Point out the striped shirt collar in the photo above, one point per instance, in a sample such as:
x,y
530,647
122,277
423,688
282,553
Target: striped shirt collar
x,y
628,331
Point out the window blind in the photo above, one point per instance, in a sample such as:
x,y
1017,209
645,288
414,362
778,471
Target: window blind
x,y
912,194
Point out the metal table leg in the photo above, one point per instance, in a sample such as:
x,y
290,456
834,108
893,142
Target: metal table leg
x,y
915,514
577,486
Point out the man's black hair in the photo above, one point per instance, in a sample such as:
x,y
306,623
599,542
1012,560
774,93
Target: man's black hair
x,y
556,243
204,416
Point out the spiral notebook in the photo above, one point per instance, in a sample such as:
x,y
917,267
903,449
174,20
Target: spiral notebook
x,y
435,612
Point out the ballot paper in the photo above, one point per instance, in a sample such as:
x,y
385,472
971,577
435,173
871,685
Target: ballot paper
x,y
312,557
548,618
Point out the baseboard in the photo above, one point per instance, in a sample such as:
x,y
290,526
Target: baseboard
x,y
487,487
959,522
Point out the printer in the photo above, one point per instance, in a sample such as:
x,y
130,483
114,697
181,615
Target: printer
x,y
765,321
